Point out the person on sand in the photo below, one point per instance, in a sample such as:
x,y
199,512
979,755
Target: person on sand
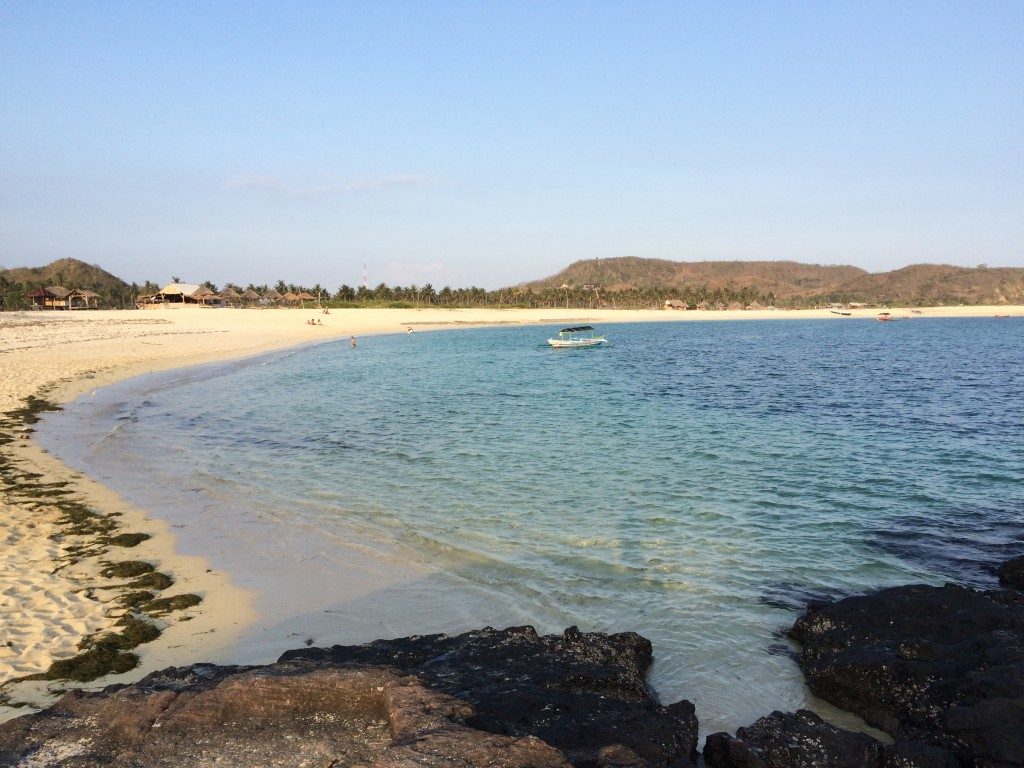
x,y
353,340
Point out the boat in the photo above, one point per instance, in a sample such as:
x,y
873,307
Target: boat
x,y
883,316
577,336
837,312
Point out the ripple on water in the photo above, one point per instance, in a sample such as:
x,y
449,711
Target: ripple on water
x,y
698,482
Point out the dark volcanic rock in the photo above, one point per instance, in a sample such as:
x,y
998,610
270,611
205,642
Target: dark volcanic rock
x,y
585,694
914,754
785,740
939,665
1011,573
285,714
486,698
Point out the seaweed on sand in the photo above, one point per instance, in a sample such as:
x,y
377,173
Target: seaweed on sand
x,y
91,534
103,653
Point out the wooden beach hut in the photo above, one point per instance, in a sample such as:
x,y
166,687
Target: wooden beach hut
x,y
49,297
675,304
82,299
181,294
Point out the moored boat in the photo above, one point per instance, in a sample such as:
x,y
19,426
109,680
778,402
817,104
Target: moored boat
x,y
577,336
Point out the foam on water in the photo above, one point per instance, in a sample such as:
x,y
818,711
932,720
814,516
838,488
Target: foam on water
x,y
694,482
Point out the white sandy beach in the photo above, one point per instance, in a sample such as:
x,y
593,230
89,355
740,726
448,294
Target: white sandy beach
x,y
46,608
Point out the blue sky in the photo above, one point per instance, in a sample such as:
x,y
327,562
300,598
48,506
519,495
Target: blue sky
x,y
490,143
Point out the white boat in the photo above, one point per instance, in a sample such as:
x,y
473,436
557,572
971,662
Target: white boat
x,y
577,336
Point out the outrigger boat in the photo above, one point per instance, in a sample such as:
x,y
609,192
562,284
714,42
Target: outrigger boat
x,y
577,336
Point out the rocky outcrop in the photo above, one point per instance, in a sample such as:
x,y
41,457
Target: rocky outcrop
x,y
582,693
941,669
1011,573
786,740
285,715
486,698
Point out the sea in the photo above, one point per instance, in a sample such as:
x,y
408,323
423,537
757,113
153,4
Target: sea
x,y
695,482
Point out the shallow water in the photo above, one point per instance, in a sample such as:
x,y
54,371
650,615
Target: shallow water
x,y
694,482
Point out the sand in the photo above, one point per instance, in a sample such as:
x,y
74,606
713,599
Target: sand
x,y
48,606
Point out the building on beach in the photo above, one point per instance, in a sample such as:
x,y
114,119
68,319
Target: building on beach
x,y
180,294
58,297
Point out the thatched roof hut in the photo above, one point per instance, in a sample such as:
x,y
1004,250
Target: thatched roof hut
x,y
304,296
675,304
49,297
290,297
79,298
182,294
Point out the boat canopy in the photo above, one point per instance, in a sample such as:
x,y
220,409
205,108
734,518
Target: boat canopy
x,y
577,328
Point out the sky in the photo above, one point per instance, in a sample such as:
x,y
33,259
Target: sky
x,y
490,143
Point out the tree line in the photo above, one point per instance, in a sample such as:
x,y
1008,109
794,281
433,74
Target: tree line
x,y
13,296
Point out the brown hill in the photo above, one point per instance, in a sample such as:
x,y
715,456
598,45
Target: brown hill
x,y
783,278
939,284
808,283
70,273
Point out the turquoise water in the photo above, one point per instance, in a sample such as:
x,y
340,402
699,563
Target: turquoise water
x,y
695,482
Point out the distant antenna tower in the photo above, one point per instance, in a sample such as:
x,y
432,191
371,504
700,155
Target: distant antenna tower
x,y
366,282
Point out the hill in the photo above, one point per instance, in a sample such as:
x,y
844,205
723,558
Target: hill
x,y
938,284
795,283
68,273
782,278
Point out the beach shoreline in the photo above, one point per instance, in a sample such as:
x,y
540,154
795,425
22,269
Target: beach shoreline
x,y
62,356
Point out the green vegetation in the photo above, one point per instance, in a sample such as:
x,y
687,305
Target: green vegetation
x,y
627,282
16,284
